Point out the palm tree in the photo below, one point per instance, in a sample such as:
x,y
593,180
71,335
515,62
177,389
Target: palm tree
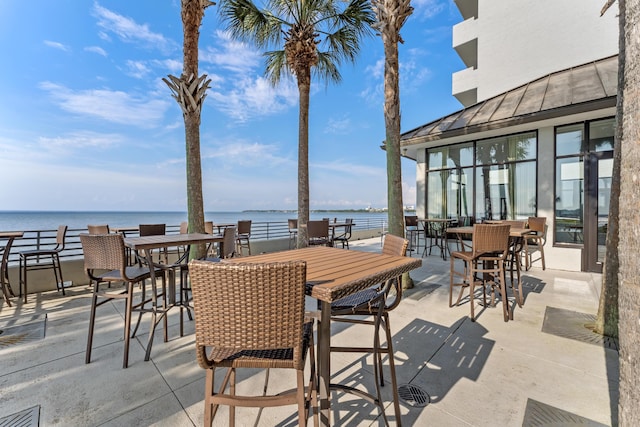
x,y
189,91
309,38
390,17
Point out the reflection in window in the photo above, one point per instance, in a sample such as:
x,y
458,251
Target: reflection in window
x,y
569,200
506,191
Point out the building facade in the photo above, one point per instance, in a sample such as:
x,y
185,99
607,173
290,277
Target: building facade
x,y
535,136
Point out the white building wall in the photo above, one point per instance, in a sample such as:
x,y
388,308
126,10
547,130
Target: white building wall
x,y
522,40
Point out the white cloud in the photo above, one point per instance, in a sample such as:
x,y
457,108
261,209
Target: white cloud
x,y
246,153
82,139
57,45
96,49
137,69
426,9
127,30
231,55
338,126
113,106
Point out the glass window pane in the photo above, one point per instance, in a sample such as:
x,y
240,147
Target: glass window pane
x,y
436,182
507,149
569,200
506,191
455,156
601,135
569,140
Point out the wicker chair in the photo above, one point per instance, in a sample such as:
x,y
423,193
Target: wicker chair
x,y
318,232
242,239
412,231
293,232
232,335
106,252
483,265
375,302
345,236
51,261
98,229
155,230
538,238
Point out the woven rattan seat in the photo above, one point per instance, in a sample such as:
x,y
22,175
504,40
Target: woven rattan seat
x,y
375,302
233,335
484,265
105,260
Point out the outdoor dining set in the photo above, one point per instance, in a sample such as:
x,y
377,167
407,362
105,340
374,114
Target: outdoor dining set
x,y
250,311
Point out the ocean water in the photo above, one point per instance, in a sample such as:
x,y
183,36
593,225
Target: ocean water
x,y
43,220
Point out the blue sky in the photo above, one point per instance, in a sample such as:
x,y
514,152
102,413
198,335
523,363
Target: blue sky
x,y
86,122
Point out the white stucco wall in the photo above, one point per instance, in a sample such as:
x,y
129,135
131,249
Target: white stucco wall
x,y
522,40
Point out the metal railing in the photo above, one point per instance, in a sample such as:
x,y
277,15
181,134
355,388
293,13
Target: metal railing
x,y
46,239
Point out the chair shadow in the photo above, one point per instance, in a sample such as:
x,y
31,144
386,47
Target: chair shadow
x,y
425,353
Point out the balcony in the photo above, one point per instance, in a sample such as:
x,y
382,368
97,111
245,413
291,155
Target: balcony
x,y
464,86
465,41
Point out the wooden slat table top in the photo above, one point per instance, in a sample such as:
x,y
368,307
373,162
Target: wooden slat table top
x,y
336,273
167,240
11,234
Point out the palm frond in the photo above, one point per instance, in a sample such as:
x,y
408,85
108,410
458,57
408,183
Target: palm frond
x,y
275,66
327,68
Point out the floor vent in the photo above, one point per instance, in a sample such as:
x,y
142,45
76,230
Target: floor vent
x,y
27,418
576,326
24,331
413,395
539,414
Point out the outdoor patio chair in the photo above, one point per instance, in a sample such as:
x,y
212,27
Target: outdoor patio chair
x,y
371,307
237,335
318,232
43,259
412,231
105,261
345,236
293,232
242,239
484,266
98,229
536,240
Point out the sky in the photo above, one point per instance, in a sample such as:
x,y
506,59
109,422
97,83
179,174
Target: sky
x,y
87,123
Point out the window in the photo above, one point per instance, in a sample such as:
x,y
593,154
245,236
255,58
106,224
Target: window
x,y
502,171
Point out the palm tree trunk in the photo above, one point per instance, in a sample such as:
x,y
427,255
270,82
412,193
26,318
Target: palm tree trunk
x,y
304,87
392,138
629,277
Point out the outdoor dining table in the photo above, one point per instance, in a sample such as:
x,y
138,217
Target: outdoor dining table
x,y
10,236
159,309
436,228
333,274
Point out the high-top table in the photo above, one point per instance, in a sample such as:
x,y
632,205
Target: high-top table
x,y
10,236
159,308
333,274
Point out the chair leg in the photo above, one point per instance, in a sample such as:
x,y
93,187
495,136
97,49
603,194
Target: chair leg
x,y
392,369
57,271
208,405
376,368
300,397
127,324
92,319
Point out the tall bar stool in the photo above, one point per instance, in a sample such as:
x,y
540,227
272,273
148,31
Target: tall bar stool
x,y
293,232
51,261
242,239
412,231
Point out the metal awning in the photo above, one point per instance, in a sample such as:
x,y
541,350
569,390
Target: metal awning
x,y
588,87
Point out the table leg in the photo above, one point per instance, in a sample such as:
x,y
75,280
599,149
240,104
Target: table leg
x,y
324,363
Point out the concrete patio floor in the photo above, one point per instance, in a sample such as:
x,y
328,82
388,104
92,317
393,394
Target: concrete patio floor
x,y
542,368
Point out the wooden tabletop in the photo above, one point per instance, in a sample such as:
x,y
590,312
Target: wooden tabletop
x,y
167,240
335,273
11,234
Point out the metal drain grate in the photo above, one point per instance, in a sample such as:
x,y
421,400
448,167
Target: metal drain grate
x,y
32,330
575,326
27,418
413,395
539,414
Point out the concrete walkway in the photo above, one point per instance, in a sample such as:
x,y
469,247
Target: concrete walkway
x,y
542,368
